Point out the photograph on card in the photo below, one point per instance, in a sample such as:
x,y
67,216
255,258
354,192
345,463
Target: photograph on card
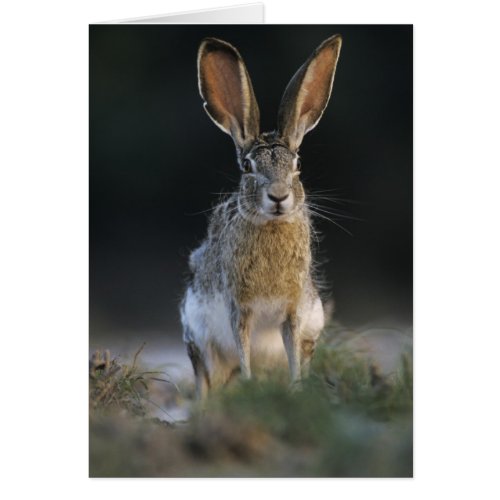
x,y
251,250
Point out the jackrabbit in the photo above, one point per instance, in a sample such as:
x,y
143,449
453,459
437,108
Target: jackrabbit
x,y
251,296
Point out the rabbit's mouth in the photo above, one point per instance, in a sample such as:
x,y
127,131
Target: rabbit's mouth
x,y
279,213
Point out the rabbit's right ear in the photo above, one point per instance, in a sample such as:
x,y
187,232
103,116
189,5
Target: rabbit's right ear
x,y
308,92
227,91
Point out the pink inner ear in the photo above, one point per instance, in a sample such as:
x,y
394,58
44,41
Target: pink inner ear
x,y
316,86
221,72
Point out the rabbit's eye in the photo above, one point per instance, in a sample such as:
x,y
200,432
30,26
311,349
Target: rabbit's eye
x,y
247,166
298,164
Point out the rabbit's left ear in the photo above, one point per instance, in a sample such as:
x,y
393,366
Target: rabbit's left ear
x,y
226,88
308,92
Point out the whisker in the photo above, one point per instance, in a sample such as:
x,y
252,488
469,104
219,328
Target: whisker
x,y
189,214
322,216
333,190
340,201
221,201
327,210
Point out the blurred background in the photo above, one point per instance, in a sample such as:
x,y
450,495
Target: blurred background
x,y
157,160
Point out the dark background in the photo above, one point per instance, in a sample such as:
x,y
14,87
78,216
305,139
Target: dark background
x,y
156,160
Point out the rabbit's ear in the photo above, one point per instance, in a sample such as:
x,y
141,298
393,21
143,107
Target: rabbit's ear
x,y
308,92
227,91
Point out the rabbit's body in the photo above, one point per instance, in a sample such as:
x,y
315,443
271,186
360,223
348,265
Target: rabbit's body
x,y
251,300
256,267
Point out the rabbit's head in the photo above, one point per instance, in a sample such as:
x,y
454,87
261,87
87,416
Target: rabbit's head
x,y
270,187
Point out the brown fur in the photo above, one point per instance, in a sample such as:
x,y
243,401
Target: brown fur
x,y
265,263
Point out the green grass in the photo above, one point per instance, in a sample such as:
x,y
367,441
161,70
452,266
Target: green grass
x,y
345,421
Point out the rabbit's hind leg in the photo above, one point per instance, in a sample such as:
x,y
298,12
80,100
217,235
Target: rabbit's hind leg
x,y
201,374
307,347
310,332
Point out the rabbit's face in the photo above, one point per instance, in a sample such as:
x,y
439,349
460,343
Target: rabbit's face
x,y
270,188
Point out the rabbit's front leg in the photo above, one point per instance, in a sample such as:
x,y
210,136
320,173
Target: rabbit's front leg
x,y
241,324
291,339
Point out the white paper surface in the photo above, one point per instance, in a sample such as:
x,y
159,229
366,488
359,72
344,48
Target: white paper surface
x,y
238,14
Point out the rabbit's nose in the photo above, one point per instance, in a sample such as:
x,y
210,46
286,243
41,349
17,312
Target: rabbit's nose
x,y
277,199
278,193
